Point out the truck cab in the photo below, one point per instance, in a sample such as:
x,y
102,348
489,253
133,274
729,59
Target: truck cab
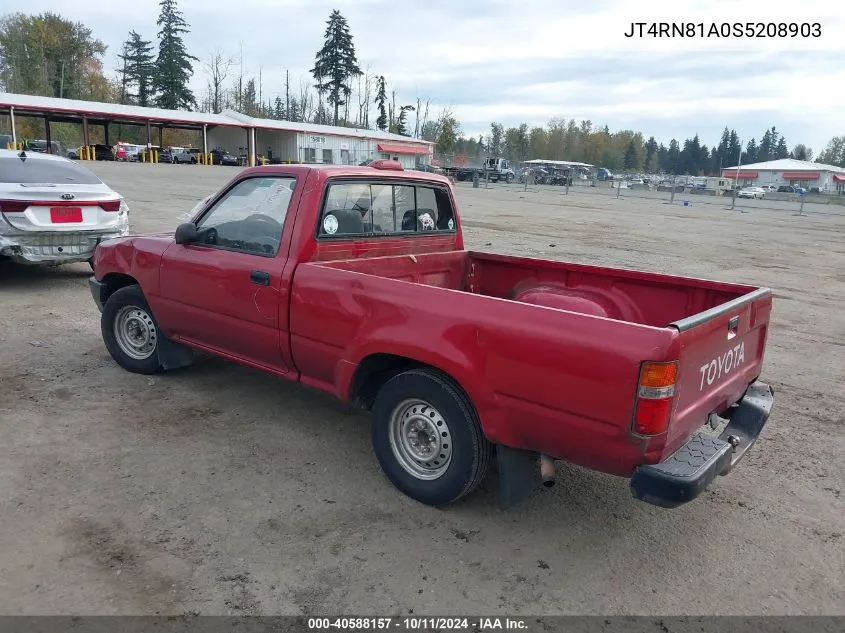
x,y
355,281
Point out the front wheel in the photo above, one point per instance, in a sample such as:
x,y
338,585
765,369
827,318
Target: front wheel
x,y
427,437
130,331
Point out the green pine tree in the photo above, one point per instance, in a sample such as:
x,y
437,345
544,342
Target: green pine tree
x,y
336,63
381,103
138,69
173,66
631,155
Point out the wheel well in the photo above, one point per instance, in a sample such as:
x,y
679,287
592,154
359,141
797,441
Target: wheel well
x,y
116,281
374,371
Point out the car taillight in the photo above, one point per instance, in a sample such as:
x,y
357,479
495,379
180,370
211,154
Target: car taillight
x,y
655,395
13,206
110,205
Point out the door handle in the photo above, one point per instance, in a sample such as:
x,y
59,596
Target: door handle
x,y
259,277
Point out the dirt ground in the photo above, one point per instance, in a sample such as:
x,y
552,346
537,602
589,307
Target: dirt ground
x,y
219,490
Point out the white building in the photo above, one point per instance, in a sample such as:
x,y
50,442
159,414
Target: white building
x,y
308,143
788,171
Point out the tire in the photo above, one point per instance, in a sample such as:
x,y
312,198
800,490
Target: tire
x,y
432,401
124,309
510,178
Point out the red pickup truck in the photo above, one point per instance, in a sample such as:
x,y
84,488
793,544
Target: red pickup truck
x,y
355,280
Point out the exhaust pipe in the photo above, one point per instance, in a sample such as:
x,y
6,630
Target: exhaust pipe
x,y
547,471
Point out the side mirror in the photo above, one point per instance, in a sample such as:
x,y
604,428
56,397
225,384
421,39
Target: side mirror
x,y
186,233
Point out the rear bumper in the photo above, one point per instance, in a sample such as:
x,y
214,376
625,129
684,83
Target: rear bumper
x,y
54,247
686,473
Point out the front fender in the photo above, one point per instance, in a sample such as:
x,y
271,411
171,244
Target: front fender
x,y
137,256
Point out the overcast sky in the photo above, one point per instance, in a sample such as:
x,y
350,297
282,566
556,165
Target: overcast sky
x,y
527,61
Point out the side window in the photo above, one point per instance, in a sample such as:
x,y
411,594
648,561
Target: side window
x,y
250,217
310,155
347,209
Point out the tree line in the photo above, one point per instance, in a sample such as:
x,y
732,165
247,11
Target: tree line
x,y
49,55
627,150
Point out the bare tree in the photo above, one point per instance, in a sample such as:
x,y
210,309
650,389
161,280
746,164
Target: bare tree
x,y
363,118
306,100
368,86
424,116
217,68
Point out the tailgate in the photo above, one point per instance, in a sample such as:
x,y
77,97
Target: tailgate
x,y
721,354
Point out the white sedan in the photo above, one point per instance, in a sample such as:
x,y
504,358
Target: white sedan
x,y
55,211
751,192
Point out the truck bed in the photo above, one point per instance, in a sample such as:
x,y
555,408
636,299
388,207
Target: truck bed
x,y
574,335
650,299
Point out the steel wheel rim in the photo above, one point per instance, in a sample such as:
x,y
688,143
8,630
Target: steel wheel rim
x,y
420,439
135,332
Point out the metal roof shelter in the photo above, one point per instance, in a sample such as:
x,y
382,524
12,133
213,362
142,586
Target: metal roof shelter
x,y
87,113
556,163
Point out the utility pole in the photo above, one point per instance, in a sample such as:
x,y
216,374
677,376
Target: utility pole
x,y
62,81
736,181
287,95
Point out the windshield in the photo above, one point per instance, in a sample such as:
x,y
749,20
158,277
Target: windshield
x,y
33,170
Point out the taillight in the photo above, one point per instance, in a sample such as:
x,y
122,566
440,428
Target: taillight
x,y
110,205
13,206
655,395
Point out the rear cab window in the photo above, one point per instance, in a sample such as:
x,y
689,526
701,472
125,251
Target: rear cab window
x,y
355,208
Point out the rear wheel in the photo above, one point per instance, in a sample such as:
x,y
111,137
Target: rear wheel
x,y
427,437
130,331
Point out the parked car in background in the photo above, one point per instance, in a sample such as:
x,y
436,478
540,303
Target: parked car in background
x,y
189,155
800,190
222,157
751,192
769,187
127,152
786,189
55,211
166,155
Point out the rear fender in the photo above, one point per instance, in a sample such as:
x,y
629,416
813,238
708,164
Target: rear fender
x,y
466,368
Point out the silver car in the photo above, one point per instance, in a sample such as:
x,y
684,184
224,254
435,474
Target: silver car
x,y
55,211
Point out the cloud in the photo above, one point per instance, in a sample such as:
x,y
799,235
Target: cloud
x,y
529,61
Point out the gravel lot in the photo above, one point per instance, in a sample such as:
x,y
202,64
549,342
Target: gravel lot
x,y
220,490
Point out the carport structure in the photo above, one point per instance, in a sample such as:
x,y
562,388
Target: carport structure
x,y
88,113
294,141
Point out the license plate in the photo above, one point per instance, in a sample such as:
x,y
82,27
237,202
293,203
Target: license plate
x,y
65,215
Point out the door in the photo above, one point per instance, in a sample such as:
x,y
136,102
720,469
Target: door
x,y
225,291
